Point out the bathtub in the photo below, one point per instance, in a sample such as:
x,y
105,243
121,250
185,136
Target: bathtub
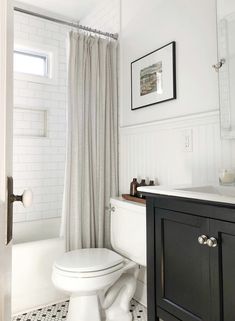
x,y
36,245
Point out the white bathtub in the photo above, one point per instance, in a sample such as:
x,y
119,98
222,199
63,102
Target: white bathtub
x,y
32,259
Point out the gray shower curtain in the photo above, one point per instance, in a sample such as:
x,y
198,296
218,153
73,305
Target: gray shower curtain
x,y
92,145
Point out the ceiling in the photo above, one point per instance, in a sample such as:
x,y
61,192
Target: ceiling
x,y
73,9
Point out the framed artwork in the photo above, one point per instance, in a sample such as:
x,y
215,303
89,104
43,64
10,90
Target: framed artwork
x,y
153,77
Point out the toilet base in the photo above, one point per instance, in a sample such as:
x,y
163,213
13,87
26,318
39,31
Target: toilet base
x,y
84,308
118,297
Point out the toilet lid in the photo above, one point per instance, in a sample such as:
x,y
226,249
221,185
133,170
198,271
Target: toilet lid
x,y
88,260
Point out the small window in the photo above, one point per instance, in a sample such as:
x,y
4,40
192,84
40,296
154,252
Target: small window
x,y
31,63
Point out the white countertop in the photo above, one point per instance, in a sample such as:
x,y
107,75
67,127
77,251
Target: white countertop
x,y
221,194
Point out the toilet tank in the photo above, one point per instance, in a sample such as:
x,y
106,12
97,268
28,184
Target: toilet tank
x,y
128,229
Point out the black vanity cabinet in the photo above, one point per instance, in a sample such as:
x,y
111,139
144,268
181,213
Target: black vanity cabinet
x,y
190,260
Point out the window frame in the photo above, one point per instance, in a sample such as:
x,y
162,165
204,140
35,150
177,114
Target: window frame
x,y
40,50
30,53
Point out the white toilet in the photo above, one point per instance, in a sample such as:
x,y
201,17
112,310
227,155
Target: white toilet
x,y
102,282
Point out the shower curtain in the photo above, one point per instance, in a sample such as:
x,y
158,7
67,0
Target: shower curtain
x,y
91,176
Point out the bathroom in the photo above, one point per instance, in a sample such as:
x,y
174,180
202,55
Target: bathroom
x,y
179,139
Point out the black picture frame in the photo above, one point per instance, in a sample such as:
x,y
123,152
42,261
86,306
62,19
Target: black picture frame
x,y
173,70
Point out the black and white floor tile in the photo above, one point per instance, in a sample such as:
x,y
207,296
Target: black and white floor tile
x,y
55,312
139,311
58,312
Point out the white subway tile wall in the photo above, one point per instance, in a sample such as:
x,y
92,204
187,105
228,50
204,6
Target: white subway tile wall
x,y
40,124
30,123
39,162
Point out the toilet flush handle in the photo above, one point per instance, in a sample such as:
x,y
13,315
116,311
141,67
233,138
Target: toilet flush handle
x,y
110,208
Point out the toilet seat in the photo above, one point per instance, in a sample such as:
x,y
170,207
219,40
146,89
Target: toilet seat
x,y
95,274
87,263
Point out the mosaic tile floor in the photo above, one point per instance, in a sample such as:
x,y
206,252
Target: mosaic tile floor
x,y
58,312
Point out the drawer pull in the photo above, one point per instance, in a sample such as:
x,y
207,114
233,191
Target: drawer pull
x,y
202,239
212,242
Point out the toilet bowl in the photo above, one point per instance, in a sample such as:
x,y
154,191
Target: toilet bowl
x,y
84,274
101,282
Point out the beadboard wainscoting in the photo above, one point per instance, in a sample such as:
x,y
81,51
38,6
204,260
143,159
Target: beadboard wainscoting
x,y
156,150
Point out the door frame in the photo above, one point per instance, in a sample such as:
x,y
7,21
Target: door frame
x,y
6,143
6,93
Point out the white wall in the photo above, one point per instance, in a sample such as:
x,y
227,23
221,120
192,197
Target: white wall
x,y
148,26
152,138
39,161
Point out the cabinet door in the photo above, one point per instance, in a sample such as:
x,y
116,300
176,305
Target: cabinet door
x,y
182,266
222,262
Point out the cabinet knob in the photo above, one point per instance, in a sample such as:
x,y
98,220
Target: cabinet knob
x,y
212,242
202,239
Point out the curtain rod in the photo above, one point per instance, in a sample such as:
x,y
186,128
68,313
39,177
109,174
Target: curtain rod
x,y
71,24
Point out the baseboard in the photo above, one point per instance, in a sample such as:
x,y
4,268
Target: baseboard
x,y
141,293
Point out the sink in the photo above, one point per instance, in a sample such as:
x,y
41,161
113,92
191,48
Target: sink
x,y
210,189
